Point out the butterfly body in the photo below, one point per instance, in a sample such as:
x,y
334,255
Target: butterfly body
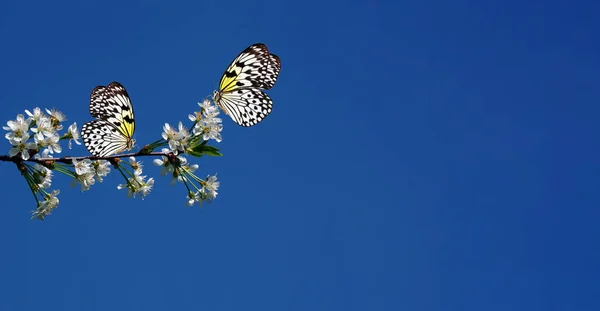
x,y
240,93
112,131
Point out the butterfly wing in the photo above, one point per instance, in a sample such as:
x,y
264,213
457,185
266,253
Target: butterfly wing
x,y
98,108
240,94
246,107
102,138
110,104
244,68
268,75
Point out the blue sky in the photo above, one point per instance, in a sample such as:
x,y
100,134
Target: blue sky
x,y
420,156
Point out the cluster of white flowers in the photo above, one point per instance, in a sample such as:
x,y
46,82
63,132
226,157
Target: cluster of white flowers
x,y
88,171
167,167
182,171
39,130
177,139
137,183
42,176
46,206
206,122
206,125
36,134
207,193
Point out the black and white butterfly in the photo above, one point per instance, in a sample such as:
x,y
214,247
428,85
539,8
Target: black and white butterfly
x,y
240,92
112,131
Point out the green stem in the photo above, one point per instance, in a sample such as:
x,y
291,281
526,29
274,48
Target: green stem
x,y
31,183
185,180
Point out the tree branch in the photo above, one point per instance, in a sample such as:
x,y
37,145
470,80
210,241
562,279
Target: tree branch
x,y
68,160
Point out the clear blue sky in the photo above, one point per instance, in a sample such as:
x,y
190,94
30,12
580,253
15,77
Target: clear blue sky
x,y
421,155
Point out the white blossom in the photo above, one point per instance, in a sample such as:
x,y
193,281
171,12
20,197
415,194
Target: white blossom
x,y
101,169
136,165
165,164
206,122
208,125
73,134
84,174
19,129
208,109
193,198
43,129
57,117
196,117
47,206
191,168
177,139
137,185
209,129
146,187
86,181
82,167
36,115
52,143
43,154
23,148
168,168
42,176
210,187
207,193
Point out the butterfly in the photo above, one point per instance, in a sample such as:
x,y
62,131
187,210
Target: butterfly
x,y
241,87
112,131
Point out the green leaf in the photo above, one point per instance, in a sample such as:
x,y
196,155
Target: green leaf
x,y
190,151
211,151
203,149
197,140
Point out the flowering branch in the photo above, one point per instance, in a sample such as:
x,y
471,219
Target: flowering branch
x,y
69,160
35,138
